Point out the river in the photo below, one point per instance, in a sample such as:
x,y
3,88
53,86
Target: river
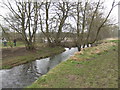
x,y
24,75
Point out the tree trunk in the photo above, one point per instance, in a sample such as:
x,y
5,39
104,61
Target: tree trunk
x,y
84,46
88,45
91,45
57,42
30,46
79,47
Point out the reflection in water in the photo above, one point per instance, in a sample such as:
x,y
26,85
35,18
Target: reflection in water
x,y
24,75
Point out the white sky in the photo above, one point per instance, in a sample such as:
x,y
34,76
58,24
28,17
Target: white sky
x,y
108,4
114,14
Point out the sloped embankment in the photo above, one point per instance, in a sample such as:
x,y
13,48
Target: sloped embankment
x,y
94,67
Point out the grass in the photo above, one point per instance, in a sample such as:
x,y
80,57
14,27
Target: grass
x,y
18,44
16,59
30,56
95,67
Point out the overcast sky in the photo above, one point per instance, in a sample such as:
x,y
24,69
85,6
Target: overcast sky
x,y
114,13
108,4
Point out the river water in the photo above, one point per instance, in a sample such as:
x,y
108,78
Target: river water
x,y
24,75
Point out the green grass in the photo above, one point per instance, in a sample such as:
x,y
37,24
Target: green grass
x,y
97,71
115,41
18,44
30,56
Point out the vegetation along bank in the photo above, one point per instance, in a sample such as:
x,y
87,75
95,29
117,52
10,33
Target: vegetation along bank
x,y
94,67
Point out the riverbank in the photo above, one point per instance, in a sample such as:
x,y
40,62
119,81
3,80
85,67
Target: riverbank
x,y
16,56
94,67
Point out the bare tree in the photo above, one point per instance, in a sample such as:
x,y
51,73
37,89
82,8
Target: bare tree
x,y
46,32
62,14
26,17
6,35
99,25
80,18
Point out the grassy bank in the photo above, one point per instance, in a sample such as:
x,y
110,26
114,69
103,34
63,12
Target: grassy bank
x,y
16,56
94,67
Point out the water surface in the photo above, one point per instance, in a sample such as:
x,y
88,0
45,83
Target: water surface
x,y
24,75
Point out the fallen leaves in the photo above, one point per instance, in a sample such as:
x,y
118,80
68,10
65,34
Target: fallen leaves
x,y
79,53
97,50
75,58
